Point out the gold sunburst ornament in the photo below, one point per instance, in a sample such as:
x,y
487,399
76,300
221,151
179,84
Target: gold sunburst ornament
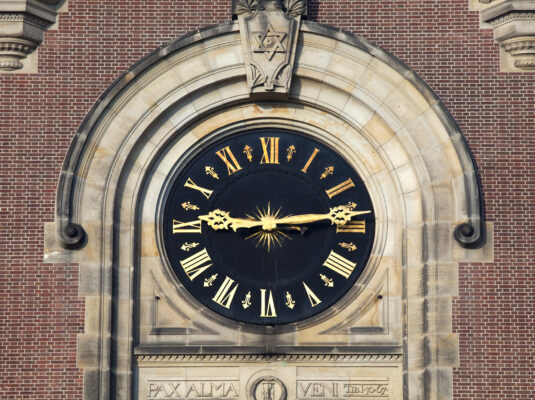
x,y
269,235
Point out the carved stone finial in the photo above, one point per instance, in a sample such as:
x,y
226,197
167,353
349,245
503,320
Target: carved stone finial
x,y
22,25
269,32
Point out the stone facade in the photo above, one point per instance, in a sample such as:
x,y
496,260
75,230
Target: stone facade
x,y
351,95
50,308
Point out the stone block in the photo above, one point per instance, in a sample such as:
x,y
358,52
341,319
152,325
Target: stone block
x,y
442,350
87,356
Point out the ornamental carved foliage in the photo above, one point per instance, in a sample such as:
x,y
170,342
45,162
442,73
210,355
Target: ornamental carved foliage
x,y
295,8
246,6
292,8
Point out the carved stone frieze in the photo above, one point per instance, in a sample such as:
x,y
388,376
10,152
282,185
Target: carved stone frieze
x,y
173,358
513,22
269,32
22,26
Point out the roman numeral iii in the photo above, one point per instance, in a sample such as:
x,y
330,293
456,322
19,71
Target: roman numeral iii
x,y
340,188
229,159
226,293
339,264
192,185
196,264
267,305
270,150
352,227
187,227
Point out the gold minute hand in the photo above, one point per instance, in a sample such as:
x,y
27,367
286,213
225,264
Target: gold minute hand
x,y
221,220
338,216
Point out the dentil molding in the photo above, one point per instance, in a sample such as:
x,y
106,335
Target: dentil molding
x,y
513,22
22,26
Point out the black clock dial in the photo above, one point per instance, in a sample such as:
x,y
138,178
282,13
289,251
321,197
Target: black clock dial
x,y
268,227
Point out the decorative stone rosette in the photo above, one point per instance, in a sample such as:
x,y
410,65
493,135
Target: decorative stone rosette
x,y
269,32
22,26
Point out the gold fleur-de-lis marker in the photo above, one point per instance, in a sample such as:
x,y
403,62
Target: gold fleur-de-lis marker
x,y
328,282
188,246
211,171
209,282
188,206
290,303
291,151
246,303
248,151
348,246
328,171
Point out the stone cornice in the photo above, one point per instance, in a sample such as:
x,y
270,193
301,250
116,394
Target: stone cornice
x,y
513,22
22,26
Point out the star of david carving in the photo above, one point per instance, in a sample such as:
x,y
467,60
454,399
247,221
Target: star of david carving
x,y
269,42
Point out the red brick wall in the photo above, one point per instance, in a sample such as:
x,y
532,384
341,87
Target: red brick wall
x,y
40,313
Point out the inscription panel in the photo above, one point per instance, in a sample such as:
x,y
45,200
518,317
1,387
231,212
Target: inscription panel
x,y
184,388
343,388
273,378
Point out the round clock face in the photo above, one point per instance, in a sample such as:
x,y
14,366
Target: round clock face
x,y
268,227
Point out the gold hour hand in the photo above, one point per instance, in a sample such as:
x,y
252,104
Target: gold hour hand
x,y
221,220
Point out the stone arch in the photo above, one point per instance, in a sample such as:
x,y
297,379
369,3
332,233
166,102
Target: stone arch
x,y
353,95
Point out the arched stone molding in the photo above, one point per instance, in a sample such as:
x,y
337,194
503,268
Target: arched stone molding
x,y
353,95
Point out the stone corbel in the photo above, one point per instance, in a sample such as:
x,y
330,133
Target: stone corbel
x,y
514,29
269,32
22,26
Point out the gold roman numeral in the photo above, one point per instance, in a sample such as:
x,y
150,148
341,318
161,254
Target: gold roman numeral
x,y
192,185
226,293
267,306
314,300
340,188
270,150
196,264
339,264
312,157
232,164
187,227
352,227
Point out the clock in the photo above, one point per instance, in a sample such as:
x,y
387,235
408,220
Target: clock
x,y
267,227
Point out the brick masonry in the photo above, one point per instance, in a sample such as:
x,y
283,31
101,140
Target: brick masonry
x,y
40,312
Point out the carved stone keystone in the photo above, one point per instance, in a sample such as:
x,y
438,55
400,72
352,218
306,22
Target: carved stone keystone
x,y
269,32
22,26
